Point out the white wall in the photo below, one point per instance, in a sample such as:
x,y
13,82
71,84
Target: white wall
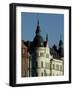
x,y
4,45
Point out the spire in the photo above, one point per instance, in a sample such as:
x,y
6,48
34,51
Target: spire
x,y
38,28
37,19
46,40
60,42
61,48
38,39
38,22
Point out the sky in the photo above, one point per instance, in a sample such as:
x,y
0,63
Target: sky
x,y
51,24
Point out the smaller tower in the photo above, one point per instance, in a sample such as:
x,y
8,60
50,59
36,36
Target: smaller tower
x,y
61,48
46,40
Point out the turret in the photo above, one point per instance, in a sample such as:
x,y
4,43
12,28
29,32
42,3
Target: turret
x,y
38,39
61,48
46,40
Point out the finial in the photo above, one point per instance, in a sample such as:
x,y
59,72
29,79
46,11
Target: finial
x,y
38,28
38,22
37,19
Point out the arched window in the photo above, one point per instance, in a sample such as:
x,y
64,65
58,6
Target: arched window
x,y
41,64
41,54
57,67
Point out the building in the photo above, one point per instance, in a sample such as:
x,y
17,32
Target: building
x,y
24,61
44,61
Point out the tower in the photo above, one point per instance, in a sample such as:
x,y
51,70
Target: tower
x,y
40,54
46,40
61,48
38,39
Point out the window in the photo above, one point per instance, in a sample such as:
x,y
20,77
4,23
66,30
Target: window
x,y
41,54
41,43
45,73
47,65
47,55
41,64
61,68
57,67
42,74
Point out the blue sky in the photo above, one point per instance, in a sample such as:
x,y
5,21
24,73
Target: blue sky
x,y
51,24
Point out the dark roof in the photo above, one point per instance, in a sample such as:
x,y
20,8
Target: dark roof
x,y
60,43
38,39
55,53
45,42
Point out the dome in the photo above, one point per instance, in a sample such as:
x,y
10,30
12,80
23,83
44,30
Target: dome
x,y
38,39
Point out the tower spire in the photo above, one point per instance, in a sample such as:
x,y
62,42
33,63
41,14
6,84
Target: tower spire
x,y
38,28
60,42
46,40
37,19
38,40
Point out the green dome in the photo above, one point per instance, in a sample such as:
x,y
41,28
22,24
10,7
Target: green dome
x,y
38,39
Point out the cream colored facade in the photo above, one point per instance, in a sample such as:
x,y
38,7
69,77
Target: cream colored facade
x,y
57,67
46,64
43,60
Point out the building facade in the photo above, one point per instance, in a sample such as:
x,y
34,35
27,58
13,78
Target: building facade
x,y
42,60
24,60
